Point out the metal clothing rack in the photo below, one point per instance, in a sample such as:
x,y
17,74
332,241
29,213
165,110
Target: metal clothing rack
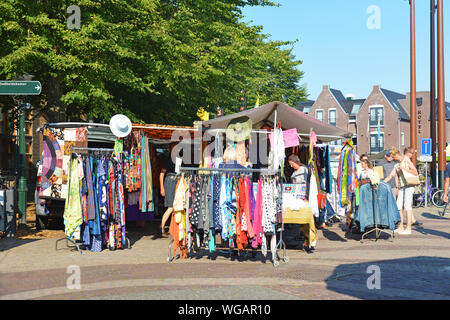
x,y
265,171
72,149
377,230
92,149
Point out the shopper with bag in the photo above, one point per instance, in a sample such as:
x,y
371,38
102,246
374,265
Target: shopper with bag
x,y
408,178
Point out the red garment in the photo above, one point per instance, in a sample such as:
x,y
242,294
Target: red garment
x,y
250,231
238,217
257,223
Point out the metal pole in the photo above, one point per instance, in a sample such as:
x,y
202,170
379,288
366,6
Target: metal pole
x,y
441,94
413,128
426,184
433,93
22,185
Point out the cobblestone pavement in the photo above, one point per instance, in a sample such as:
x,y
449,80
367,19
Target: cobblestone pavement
x,y
410,267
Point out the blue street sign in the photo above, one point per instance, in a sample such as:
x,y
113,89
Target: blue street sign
x,y
426,147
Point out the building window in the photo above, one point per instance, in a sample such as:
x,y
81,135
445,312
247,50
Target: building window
x,y
376,113
403,139
332,117
319,115
376,145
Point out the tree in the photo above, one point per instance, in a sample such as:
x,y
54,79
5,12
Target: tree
x,y
156,61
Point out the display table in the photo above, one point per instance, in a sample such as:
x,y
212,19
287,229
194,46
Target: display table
x,y
304,217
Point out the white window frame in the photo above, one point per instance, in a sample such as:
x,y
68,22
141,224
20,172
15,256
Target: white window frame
x,y
377,106
335,118
375,133
402,139
323,114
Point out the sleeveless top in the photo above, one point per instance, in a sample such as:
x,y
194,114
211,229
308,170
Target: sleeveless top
x,y
401,177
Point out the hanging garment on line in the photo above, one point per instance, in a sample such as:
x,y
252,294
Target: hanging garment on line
x,y
216,192
257,222
73,216
269,206
179,207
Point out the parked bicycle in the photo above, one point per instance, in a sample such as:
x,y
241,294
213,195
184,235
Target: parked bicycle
x,y
435,196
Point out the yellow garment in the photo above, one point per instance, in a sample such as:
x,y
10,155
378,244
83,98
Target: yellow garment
x,y
305,218
241,156
179,206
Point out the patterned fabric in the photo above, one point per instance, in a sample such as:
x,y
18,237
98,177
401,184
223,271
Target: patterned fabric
x,y
216,204
102,194
96,243
269,206
57,145
73,217
195,208
347,176
257,222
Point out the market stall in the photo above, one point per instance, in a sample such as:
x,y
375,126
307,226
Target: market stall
x,y
284,130
116,167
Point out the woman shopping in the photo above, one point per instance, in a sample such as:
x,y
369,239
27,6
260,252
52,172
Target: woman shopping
x,y
366,172
404,168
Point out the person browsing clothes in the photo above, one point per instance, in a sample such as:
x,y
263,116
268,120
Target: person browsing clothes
x,y
168,182
300,174
405,195
388,165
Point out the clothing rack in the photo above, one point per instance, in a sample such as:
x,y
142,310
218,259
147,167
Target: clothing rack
x,y
265,171
377,230
72,151
93,149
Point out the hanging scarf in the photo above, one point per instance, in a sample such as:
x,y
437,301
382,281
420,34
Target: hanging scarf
x,y
73,217
143,196
344,200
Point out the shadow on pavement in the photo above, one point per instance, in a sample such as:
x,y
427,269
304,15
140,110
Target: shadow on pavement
x,y
433,232
332,236
430,215
137,231
10,243
408,278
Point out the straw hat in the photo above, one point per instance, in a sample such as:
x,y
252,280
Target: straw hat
x,y
239,129
120,125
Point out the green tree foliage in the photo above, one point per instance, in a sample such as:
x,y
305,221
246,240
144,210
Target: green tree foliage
x,y
157,61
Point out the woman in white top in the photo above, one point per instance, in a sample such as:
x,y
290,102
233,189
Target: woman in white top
x,y
405,195
367,170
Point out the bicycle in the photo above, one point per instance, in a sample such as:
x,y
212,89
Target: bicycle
x,y
419,198
435,197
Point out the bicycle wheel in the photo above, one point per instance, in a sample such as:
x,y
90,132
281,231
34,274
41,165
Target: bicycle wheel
x,y
437,199
418,200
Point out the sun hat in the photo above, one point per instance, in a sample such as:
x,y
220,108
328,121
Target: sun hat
x,y
120,125
239,129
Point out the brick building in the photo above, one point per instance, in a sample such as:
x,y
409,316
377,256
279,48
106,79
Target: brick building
x,y
331,107
382,106
423,115
361,117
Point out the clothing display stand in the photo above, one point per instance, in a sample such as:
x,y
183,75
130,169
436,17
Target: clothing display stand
x,y
67,244
264,171
87,150
376,229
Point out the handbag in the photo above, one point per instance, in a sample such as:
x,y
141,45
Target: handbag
x,y
411,180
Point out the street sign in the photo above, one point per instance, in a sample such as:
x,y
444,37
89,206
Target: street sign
x,y
423,158
426,147
20,88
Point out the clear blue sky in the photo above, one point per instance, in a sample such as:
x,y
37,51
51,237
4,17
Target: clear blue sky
x,y
338,49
